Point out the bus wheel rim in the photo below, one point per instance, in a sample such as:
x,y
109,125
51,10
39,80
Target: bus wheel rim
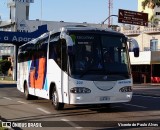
x,y
54,98
26,91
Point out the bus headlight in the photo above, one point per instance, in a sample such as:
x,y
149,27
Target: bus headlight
x,y
80,90
126,89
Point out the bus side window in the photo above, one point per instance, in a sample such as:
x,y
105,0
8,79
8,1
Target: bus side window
x,y
52,52
55,51
64,55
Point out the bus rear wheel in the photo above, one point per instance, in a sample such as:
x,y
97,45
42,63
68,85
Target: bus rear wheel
x,y
27,95
55,101
26,92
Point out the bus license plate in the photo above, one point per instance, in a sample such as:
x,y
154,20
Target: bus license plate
x,y
104,98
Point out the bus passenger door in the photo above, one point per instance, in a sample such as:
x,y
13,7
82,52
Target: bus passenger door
x,y
64,72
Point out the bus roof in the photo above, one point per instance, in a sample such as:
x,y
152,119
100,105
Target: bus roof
x,y
85,28
78,28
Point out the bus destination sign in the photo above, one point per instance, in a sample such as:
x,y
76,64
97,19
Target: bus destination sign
x,y
133,17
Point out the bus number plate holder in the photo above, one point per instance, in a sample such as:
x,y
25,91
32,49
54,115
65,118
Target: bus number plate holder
x,y
104,98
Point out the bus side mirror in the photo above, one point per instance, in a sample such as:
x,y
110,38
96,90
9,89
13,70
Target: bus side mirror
x,y
134,47
136,52
68,39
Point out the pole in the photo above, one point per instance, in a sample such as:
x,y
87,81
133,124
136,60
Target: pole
x,y
107,19
15,63
109,13
151,73
41,12
15,57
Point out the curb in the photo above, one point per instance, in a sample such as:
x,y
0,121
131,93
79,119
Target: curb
x,y
149,84
7,82
145,94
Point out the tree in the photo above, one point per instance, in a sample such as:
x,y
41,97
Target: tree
x,y
4,66
154,20
150,3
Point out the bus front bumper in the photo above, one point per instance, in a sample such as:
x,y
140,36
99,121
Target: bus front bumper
x,y
100,99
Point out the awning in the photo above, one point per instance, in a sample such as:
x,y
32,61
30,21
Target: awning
x,y
144,58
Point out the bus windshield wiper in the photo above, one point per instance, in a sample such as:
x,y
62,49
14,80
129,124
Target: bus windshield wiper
x,y
84,72
88,70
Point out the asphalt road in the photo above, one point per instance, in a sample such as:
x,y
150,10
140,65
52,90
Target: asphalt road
x,y
148,90
142,111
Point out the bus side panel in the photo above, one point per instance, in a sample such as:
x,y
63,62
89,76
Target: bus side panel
x,y
37,86
27,77
65,88
22,75
37,78
19,87
40,73
54,76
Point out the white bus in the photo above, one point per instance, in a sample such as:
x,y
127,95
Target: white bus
x,y
76,65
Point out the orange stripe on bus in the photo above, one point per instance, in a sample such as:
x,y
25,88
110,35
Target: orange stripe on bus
x,y
41,73
32,78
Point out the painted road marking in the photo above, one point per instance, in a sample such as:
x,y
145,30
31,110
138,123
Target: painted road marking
x,y
22,102
41,109
7,98
134,105
72,124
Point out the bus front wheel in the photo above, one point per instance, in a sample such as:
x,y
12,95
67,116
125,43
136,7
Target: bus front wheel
x,y
26,92
55,101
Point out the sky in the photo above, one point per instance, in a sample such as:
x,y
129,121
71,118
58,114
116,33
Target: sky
x,y
90,11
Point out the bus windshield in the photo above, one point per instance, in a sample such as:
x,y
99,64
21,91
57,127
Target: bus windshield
x,y
99,54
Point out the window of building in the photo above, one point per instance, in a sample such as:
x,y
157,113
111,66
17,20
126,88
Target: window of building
x,y
157,13
27,12
154,45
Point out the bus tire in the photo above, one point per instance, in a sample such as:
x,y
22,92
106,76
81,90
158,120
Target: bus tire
x,y
55,101
27,95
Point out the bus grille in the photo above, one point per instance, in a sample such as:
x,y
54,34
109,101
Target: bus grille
x,y
104,85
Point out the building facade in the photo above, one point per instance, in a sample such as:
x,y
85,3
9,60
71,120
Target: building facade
x,y
19,22
146,68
